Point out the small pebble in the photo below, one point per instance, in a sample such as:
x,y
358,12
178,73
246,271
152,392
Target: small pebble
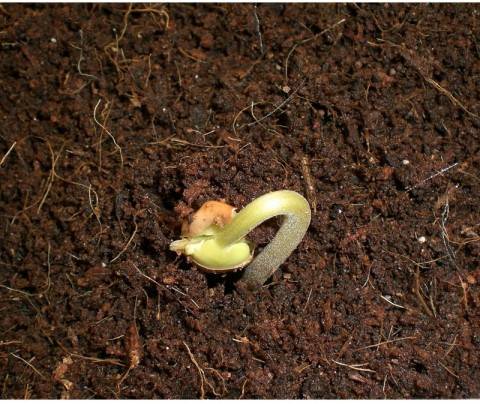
x,y
53,40
422,239
405,162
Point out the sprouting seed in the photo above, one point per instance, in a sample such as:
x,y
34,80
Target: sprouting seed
x,y
215,238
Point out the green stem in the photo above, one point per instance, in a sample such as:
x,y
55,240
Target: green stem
x,y
297,214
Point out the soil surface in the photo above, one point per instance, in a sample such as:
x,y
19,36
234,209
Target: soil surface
x,y
117,121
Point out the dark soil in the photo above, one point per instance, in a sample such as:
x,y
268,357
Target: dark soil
x,y
117,121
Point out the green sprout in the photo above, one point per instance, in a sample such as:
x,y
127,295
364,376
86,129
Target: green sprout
x,y
223,249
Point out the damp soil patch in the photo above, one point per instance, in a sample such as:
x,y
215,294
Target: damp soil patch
x,y
117,121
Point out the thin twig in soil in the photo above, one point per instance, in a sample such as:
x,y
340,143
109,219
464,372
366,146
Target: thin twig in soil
x,y
311,193
107,131
134,346
105,115
451,347
186,143
237,153
73,92
257,28
149,72
125,24
17,291
56,175
308,299
4,11
303,42
81,58
476,177
215,371
95,209
464,242
202,134
147,277
368,275
384,343
422,73
201,372
345,345
302,367
4,158
443,170
448,370
151,10
418,293
4,343
179,76
261,124
444,234
51,176
464,288
390,302
115,338
258,359
163,141
449,95
241,340
49,268
384,384
28,392
29,364
98,360
243,389
26,294
4,388
358,366
166,287
433,293
422,265
284,102
128,242
91,358
115,47
234,124
446,242
245,73
190,56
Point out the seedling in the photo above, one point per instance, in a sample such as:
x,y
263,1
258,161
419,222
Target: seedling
x,y
215,238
